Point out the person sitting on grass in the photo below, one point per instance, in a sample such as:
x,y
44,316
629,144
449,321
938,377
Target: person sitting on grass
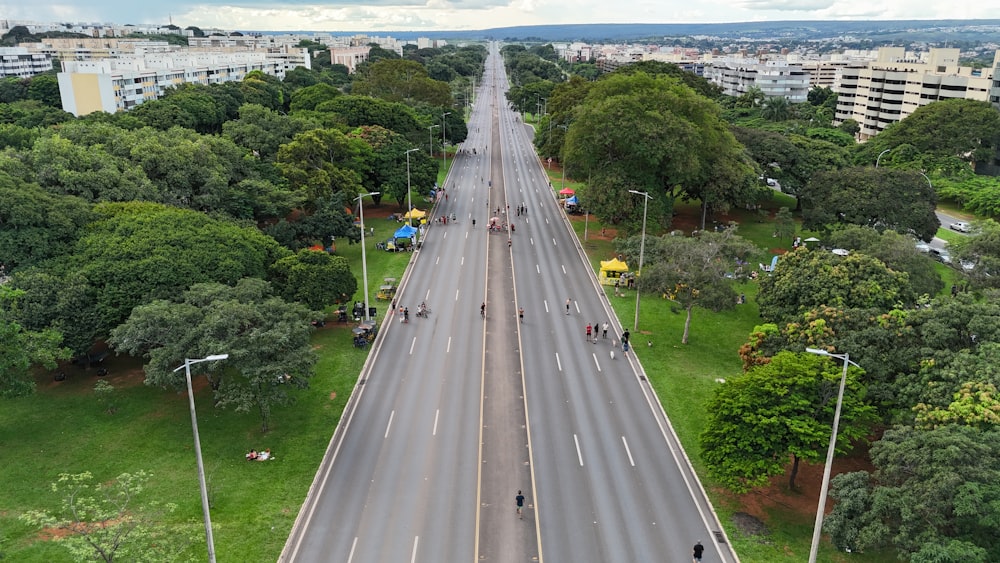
x,y
252,456
264,455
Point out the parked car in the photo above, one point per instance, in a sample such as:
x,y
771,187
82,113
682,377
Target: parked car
x,y
941,255
961,227
923,247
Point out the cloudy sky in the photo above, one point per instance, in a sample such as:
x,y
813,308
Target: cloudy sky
x,y
418,15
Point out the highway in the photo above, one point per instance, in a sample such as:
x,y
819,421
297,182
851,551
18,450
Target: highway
x,y
454,413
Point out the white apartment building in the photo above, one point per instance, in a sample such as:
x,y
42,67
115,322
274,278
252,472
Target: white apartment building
x,y
113,85
893,86
774,78
350,57
19,62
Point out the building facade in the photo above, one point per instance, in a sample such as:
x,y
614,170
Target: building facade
x,y
20,63
774,78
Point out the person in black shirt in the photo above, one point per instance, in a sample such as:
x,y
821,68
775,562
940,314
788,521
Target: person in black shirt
x,y
519,499
698,550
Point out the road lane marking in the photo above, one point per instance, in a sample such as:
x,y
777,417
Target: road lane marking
x,y
456,294
628,451
546,303
564,269
532,239
558,363
438,261
354,545
577,305
462,261
596,363
579,455
389,425
538,269
554,243
445,235
447,349
413,556
413,345
435,431
427,295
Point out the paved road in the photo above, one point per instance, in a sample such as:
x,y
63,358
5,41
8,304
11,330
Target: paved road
x,y
455,413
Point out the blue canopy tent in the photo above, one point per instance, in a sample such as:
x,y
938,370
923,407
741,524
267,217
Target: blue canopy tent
x,y
406,231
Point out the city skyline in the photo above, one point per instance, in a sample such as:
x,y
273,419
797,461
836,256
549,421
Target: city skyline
x,y
441,15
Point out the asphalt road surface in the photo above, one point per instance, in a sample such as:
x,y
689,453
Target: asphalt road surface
x,y
455,413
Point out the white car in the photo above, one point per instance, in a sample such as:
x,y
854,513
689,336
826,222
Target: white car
x,y
961,227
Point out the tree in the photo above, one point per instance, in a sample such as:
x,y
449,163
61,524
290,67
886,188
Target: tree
x,y
776,108
20,349
691,270
322,162
898,252
330,218
880,198
805,279
314,278
781,409
267,340
656,134
36,225
104,522
385,165
310,97
933,496
784,224
263,131
398,80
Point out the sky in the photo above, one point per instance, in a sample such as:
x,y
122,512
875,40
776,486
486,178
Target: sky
x,y
442,15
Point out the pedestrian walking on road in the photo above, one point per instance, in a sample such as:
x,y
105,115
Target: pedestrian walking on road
x,y
697,552
567,305
520,313
519,499
588,332
482,310
604,330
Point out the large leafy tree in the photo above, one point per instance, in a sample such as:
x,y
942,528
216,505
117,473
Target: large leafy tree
x,y
933,496
966,129
322,162
385,170
691,270
896,251
263,131
982,250
138,252
778,411
313,278
658,135
399,80
880,198
808,279
36,225
267,340
20,349
357,111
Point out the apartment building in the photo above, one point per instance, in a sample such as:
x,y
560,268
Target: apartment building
x,y
113,85
775,78
350,57
19,62
892,87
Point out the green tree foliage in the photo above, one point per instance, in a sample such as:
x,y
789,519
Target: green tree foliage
x,y
526,98
525,67
402,81
776,108
385,165
137,252
808,279
36,225
17,137
965,129
267,340
356,111
691,271
67,168
322,162
20,349
780,410
32,113
897,252
656,68
262,131
309,97
44,88
933,496
105,522
328,216
13,89
880,198
657,135
313,278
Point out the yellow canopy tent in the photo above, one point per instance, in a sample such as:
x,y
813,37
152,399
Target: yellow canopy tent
x,y
611,270
414,214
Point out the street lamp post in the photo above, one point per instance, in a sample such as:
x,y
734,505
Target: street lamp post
x,y
642,250
364,256
929,184
818,526
444,153
430,139
879,157
561,163
209,540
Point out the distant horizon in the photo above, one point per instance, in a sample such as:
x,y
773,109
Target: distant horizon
x,y
424,16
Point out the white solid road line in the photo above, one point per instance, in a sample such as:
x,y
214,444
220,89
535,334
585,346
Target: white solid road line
x,y
354,545
435,430
538,269
389,425
558,363
413,555
596,363
413,345
579,455
564,269
546,303
447,349
554,243
628,451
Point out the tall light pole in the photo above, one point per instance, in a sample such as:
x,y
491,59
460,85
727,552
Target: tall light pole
x,y
562,164
430,139
879,157
364,256
818,527
409,197
929,184
444,153
642,250
209,540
